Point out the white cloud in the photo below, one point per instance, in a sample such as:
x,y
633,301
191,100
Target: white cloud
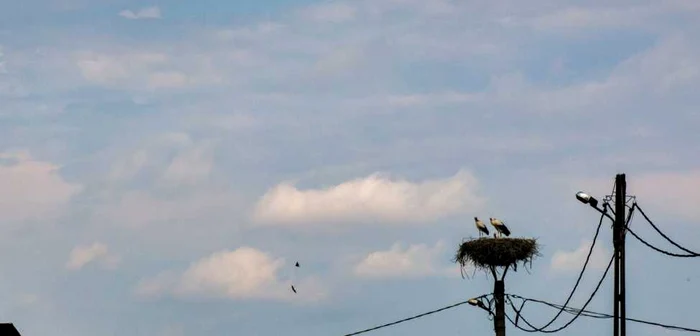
x,y
32,189
412,261
157,67
81,256
173,158
155,286
191,166
118,68
143,13
376,197
572,261
128,167
245,273
240,273
336,12
153,152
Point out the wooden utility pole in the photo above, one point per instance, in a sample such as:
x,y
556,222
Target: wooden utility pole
x,y
499,321
619,313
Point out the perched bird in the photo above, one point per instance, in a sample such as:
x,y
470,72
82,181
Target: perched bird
x,y
500,227
294,289
481,227
297,264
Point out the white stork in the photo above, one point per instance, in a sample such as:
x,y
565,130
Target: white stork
x,y
481,227
500,227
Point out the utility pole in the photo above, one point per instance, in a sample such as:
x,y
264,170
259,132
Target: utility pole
x,y
619,231
499,321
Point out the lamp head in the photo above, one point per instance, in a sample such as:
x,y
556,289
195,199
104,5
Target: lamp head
x,y
586,199
474,302
583,197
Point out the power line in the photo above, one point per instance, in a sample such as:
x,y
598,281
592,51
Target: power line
x,y
593,314
691,253
580,276
569,310
590,298
412,317
658,249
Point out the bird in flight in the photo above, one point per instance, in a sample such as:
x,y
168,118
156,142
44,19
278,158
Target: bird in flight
x,y
481,227
294,277
500,227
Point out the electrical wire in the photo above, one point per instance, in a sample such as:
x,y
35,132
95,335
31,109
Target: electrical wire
x,y
574,311
691,253
412,317
593,314
580,276
563,308
660,250
569,310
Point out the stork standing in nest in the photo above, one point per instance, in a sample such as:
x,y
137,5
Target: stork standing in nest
x,y
500,227
481,227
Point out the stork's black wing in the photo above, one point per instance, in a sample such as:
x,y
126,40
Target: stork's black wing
x,y
505,230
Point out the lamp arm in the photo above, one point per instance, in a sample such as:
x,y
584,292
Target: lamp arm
x,y
604,213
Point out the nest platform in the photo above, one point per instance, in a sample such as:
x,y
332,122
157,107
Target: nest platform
x,y
485,253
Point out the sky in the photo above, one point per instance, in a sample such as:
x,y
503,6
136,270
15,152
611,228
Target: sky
x,y
164,164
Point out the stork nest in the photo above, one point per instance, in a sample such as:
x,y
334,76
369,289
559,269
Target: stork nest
x,y
485,253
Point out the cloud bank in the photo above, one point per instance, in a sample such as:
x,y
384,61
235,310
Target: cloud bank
x,y
242,274
375,197
418,260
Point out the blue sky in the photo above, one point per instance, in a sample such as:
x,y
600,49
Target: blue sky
x,y
165,163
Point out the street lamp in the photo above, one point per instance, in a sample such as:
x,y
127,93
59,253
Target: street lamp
x,y
478,303
586,199
590,200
